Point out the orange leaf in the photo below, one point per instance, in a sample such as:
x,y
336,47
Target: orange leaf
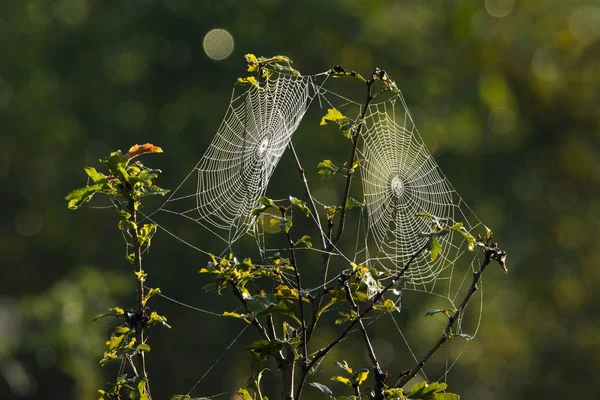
x,y
138,149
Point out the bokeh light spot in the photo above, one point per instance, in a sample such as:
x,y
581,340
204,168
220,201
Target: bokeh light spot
x,y
218,44
502,120
499,8
544,66
584,24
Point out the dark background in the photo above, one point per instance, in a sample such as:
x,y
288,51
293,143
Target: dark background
x,y
508,105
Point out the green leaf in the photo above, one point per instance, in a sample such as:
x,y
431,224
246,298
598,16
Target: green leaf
x,y
306,240
143,347
264,200
446,396
332,211
347,129
353,203
80,196
322,388
327,169
470,239
342,379
96,176
333,115
424,215
344,365
244,394
300,204
156,319
387,305
250,80
361,376
430,391
117,310
151,293
435,248
285,224
264,348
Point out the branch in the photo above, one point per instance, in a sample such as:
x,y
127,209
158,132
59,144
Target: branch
x,y
324,351
261,330
343,211
491,253
380,376
309,197
299,287
139,320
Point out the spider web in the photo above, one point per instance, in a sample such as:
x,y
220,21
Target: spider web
x,y
235,170
399,178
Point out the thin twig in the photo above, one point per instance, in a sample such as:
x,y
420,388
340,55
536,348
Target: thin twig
x,y
139,321
294,265
332,243
380,376
490,253
324,351
311,202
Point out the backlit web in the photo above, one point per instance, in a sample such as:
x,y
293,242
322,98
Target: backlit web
x,y
224,187
399,177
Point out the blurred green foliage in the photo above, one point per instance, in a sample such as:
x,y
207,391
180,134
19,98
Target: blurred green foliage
x,y
506,101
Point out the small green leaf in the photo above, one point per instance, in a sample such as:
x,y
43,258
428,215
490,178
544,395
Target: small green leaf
x,y
250,80
353,203
387,305
300,204
361,376
285,224
244,394
306,240
424,215
327,169
435,248
96,176
264,200
156,319
333,115
143,347
344,365
80,196
322,388
342,379
117,310
151,293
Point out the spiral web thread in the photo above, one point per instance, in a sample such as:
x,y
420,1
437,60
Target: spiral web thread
x,y
235,170
399,177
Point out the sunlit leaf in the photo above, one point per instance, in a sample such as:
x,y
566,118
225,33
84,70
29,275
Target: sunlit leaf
x,y
333,115
435,248
342,379
361,376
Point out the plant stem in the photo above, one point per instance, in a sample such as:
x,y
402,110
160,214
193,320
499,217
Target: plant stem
x,y
323,352
489,253
380,376
311,202
330,246
139,321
